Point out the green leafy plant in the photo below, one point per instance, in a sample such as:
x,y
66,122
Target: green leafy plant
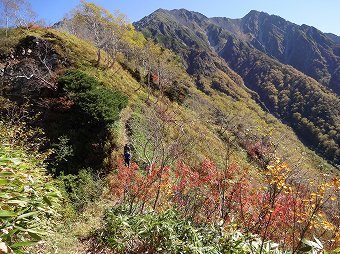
x,y
315,247
62,149
28,199
168,232
160,233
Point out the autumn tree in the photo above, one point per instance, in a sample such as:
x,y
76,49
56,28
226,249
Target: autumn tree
x,y
97,25
93,23
15,13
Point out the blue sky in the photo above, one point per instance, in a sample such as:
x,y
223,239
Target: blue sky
x,y
322,14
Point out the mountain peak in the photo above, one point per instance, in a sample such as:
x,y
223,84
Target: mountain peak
x,y
255,12
158,11
186,15
280,39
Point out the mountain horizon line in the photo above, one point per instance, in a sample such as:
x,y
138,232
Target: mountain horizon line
x,y
329,33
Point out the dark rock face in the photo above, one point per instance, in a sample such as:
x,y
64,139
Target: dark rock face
x,y
260,48
30,69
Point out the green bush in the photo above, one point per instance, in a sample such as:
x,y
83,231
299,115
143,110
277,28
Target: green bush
x,y
63,150
81,189
177,92
100,104
79,133
74,81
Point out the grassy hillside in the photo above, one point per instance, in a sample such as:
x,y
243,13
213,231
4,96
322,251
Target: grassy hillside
x,y
187,146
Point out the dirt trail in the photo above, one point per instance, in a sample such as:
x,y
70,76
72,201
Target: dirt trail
x,y
123,137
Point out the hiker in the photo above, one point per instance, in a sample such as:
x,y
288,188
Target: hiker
x,y
127,155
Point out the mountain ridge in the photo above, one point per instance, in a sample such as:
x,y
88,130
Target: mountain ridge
x,y
280,39
280,86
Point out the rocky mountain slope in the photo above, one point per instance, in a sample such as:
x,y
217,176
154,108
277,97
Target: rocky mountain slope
x,y
333,37
304,47
258,47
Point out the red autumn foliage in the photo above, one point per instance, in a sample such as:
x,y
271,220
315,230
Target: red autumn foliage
x,y
195,190
136,186
205,193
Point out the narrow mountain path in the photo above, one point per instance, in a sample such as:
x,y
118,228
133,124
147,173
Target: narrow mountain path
x,y
90,244
123,136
